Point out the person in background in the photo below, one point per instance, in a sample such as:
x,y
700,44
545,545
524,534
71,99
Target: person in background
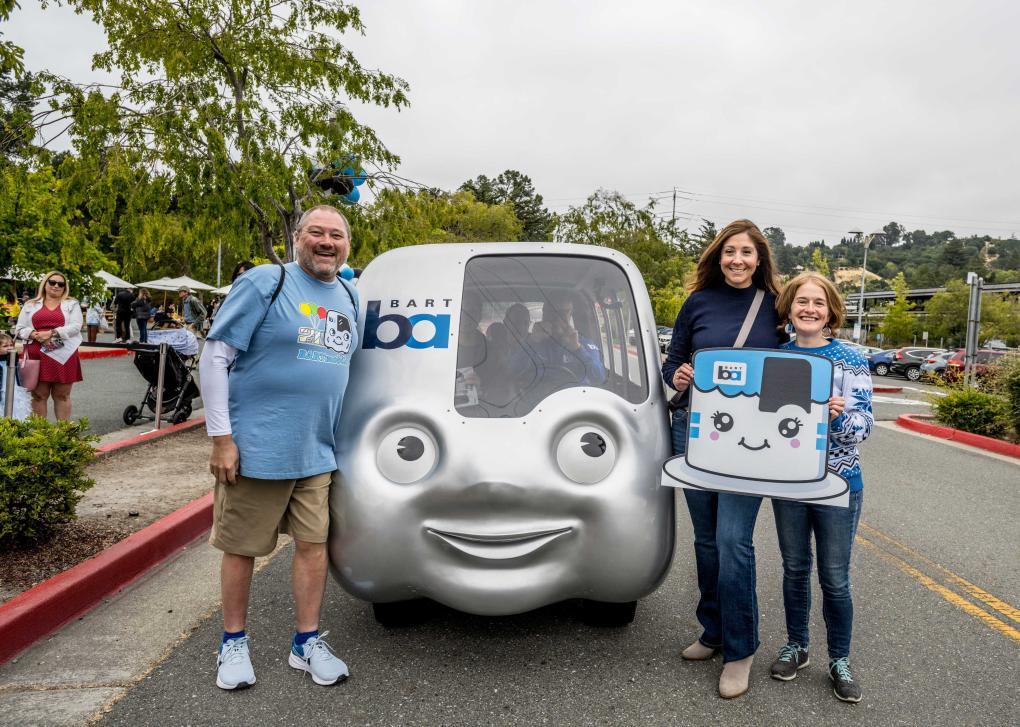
x,y
813,306
95,319
22,399
240,269
51,324
193,311
731,271
142,309
122,315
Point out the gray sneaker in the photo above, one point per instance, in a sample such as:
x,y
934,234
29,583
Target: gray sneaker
x,y
792,658
843,684
233,665
316,658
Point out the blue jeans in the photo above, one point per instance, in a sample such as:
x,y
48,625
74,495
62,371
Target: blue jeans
x,y
834,529
724,550
143,330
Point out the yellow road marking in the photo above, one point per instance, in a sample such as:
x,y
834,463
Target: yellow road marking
x,y
951,596
999,605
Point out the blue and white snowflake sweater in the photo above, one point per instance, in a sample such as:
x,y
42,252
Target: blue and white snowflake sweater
x,y
851,380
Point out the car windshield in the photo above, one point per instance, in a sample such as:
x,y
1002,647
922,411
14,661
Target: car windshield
x,y
532,325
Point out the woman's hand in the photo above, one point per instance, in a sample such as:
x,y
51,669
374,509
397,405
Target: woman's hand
x,y
682,378
41,336
836,405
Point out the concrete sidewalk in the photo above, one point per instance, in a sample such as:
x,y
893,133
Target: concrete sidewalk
x,y
82,669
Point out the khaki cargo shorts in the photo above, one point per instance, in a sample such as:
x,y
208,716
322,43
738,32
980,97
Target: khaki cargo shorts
x,y
250,514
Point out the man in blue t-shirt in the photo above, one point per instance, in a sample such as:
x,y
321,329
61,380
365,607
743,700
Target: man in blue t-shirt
x,y
273,373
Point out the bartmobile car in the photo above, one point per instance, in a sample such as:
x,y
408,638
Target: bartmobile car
x,y
501,443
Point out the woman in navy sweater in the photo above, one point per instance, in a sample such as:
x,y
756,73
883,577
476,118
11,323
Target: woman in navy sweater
x,y
731,270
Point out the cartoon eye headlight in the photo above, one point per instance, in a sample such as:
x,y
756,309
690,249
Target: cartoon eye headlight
x,y
586,454
722,421
789,427
406,455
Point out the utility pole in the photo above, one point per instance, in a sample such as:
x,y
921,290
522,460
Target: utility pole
x,y
674,206
973,327
858,327
219,259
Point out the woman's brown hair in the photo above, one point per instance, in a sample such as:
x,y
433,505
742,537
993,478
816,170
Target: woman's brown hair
x,y
834,301
708,274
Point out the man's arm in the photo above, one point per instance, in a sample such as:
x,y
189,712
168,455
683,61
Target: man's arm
x,y
213,368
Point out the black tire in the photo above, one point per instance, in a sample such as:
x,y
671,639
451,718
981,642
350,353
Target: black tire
x,y
131,415
608,615
400,614
913,373
881,369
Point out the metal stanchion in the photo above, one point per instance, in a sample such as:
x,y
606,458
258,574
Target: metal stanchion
x,y
12,362
159,384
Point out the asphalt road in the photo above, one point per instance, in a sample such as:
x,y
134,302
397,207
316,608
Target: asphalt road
x,y
936,638
109,386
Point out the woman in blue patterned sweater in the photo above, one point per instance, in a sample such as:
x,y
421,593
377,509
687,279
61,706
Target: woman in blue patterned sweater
x,y
811,303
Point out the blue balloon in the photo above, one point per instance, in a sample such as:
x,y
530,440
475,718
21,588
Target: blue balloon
x,y
353,196
360,177
346,272
347,171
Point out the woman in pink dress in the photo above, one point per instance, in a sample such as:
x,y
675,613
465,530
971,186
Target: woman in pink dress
x,y
51,325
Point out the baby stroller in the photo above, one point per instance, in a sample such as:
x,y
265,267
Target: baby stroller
x,y
179,387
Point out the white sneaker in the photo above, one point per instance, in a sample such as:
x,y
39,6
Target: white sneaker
x,y
233,665
316,658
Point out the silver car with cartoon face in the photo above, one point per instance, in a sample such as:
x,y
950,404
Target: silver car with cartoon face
x,y
502,434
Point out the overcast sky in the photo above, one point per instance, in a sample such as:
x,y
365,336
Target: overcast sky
x,y
818,117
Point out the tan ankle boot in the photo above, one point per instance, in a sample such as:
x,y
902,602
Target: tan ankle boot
x,y
734,678
698,652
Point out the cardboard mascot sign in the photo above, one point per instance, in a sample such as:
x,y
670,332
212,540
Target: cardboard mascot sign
x,y
758,424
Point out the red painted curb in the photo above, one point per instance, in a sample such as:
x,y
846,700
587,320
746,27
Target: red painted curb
x,y
103,353
39,611
915,423
887,389
106,449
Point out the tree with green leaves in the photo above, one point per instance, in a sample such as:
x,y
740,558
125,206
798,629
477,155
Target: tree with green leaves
x,y
11,55
36,233
818,262
515,188
611,220
399,218
898,325
236,100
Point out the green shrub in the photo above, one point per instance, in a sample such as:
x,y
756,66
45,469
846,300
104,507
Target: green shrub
x,y
42,476
972,411
1006,382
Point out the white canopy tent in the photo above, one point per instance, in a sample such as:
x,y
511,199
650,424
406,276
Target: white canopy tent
x,y
112,281
174,284
222,291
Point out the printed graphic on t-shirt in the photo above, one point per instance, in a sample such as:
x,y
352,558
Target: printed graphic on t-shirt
x,y
328,329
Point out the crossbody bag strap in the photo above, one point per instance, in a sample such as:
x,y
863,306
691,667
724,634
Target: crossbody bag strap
x,y
752,313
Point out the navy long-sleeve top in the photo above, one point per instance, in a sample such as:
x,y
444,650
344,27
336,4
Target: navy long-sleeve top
x,y
711,318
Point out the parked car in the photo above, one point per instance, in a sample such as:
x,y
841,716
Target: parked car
x,y
907,361
935,365
879,362
984,362
665,336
